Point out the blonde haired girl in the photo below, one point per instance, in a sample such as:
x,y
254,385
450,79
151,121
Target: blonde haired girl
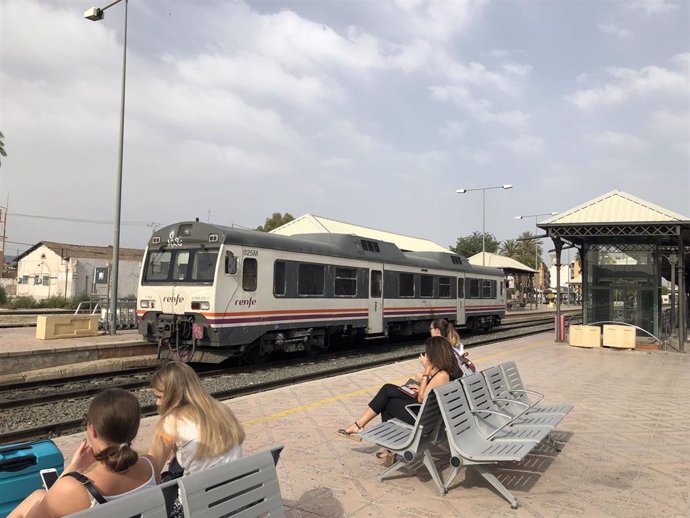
x,y
201,431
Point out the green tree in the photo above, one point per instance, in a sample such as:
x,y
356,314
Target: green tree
x,y
526,249
275,221
471,245
510,248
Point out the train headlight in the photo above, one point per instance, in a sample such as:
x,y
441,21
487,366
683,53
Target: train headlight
x,y
200,305
143,303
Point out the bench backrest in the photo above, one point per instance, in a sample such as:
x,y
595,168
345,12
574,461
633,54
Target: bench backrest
x,y
498,385
512,376
429,417
461,428
479,398
148,503
244,487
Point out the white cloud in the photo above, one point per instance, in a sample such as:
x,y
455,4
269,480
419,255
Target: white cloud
x,y
668,123
518,70
452,130
615,30
627,83
651,6
618,141
480,109
527,145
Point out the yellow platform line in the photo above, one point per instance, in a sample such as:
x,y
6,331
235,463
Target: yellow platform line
x,y
368,390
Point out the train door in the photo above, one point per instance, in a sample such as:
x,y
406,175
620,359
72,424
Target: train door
x,y
461,320
376,300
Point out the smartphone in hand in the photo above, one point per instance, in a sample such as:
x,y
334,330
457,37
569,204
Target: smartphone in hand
x,y
49,477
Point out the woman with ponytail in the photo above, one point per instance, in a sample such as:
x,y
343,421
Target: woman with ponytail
x,y
112,424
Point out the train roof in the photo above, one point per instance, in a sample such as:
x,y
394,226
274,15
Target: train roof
x,y
348,246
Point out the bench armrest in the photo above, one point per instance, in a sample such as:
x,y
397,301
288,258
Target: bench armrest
x,y
525,391
409,409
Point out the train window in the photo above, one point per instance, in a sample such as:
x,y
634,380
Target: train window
x,y
444,287
486,289
427,287
376,278
311,279
406,285
249,274
345,282
279,278
230,262
461,288
473,288
25,279
204,266
180,266
158,266
46,279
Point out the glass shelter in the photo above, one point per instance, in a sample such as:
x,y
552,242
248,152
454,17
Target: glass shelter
x,y
627,247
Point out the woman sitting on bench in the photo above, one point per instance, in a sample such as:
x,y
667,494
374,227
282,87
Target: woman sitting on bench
x,y
200,431
440,367
112,422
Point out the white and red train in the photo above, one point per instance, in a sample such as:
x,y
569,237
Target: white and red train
x,y
229,292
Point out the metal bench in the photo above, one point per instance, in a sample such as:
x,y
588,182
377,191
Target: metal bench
x,y
469,446
244,488
411,443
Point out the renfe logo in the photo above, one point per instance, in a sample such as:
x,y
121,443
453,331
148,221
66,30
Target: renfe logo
x,y
177,299
251,301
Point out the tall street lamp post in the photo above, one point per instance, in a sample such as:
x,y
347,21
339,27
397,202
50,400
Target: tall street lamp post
x,y
96,14
535,216
484,189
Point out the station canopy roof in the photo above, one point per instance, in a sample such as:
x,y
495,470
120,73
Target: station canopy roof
x,y
312,224
616,216
615,207
507,264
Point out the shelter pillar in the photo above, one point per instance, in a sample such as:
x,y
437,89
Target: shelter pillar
x,y
558,244
682,297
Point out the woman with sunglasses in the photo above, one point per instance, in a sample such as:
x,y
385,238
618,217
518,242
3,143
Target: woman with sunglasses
x,y
440,367
112,424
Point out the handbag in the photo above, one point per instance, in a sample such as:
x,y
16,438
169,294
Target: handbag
x,y
175,470
466,365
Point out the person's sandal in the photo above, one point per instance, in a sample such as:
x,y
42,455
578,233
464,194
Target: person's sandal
x,y
351,435
387,458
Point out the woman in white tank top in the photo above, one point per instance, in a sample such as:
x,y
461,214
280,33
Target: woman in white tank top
x,y
112,423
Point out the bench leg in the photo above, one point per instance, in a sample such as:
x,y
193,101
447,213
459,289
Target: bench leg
x,y
491,479
557,446
395,467
431,466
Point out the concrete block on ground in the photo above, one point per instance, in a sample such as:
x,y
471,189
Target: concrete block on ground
x,y
620,337
584,336
50,327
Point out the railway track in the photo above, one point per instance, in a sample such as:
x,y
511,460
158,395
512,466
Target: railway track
x,y
49,411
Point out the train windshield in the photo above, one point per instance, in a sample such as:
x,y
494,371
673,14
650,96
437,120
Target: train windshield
x,y
181,265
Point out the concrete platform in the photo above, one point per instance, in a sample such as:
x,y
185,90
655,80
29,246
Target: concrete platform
x,y
626,451
23,357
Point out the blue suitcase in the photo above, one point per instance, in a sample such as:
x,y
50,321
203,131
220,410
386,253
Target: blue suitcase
x,y
19,467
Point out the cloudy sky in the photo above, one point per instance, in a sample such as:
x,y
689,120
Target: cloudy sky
x,y
369,111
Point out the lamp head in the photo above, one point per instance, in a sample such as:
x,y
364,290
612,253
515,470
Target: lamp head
x,y
461,191
518,217
507,186
94,14
552,213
